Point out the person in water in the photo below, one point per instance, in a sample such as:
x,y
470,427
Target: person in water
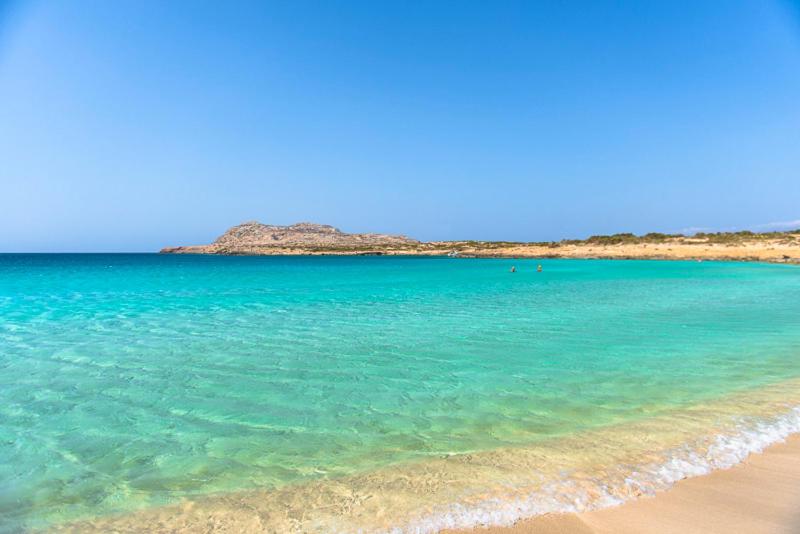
x,y
539,268
513,269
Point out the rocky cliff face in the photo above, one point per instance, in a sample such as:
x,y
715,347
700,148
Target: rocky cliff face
x,y
256,238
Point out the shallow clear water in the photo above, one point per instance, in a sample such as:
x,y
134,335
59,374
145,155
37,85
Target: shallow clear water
x,y
131,381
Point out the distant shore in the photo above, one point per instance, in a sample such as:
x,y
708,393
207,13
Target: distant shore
x,y
256,239
759,496
679,249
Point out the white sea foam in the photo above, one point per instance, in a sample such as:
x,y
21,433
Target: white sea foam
x,y
569,495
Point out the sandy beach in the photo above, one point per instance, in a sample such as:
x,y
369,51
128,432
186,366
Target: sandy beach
x,y
759,496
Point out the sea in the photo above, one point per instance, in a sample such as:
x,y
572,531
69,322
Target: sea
x,y
377,394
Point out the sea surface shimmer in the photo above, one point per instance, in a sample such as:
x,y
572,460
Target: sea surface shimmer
x,y
344,394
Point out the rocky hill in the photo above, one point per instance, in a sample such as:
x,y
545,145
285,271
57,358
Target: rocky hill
x,y
256,238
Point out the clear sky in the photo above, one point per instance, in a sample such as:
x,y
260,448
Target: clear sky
x,y
132,125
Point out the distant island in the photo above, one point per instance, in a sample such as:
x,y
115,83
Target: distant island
x,y
254,238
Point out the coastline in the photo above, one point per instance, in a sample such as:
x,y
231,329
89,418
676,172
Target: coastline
x,y
256,239
407,498
500,256
746,253
759,495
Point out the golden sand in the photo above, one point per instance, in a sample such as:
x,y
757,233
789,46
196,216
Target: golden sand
x,y
759,496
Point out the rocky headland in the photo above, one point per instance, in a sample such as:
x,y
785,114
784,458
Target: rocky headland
x,y
255,238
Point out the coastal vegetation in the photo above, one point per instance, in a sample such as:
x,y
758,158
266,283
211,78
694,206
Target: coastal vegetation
x,y
699,237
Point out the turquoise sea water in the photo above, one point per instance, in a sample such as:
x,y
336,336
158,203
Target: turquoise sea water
x,y
134,381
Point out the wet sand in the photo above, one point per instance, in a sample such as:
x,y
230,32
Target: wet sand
x,y
759,496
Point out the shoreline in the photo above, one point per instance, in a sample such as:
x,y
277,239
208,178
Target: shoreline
x,y
759,495
521,255
560,508
487,256
255,239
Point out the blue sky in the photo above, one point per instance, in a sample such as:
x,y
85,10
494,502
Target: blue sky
x,y
132,125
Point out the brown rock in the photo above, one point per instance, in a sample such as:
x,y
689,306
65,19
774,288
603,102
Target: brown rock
x,y
256,238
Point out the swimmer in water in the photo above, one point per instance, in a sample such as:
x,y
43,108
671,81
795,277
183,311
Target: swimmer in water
x,y
513,269
539,268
